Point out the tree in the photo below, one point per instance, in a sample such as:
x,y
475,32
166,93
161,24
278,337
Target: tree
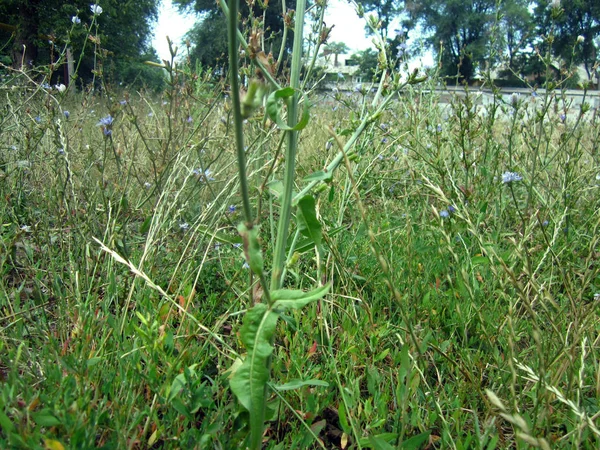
x,y
335,48
123,34
516,26
461,27
209,35
565,24
368,61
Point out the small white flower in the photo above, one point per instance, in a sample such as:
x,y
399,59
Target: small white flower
x,y
184,226
147,185
96,9
556,4
26,228
580,39
76,20
61,88
514,99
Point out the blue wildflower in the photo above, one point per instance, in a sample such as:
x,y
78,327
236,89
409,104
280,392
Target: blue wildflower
x,y
76,20
67,114
562,118
444,214
231,209
123,102
509,177
451,209
105,121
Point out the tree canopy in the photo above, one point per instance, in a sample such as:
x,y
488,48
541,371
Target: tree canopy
x,y
37,30
209,35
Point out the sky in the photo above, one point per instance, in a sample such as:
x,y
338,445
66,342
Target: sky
x,y
348,28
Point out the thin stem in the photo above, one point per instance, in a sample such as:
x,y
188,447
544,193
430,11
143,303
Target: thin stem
x,y
237,109
290,155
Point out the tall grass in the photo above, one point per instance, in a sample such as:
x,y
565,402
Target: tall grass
x,y
445,258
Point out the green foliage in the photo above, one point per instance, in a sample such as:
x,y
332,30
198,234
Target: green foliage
x,y
209,36
461,28
438,286
368,63
122,33
562,26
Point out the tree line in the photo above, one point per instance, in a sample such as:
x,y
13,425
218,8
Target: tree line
x,y
467,36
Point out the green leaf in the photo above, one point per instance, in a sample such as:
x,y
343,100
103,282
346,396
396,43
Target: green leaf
x,y
5,422
319,175
284,299
93,361
416,442
295,384
386,437
309,225
343,421
249,381
379,444
275,188
145,226
274,106
45,418
180,381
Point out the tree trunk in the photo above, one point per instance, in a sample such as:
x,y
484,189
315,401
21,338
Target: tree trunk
x,y
25,51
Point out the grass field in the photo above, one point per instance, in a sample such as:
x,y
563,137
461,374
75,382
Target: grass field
x,y
462,254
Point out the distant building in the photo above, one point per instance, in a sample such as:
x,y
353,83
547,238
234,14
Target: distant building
x,y
340,68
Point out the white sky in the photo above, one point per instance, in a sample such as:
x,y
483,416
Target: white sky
x,y
348,28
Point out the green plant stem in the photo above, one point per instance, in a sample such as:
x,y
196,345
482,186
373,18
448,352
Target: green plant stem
x,y
290,155
237,109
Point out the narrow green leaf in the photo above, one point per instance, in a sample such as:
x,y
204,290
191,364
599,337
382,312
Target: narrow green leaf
x,y
249,381
295,384
379,444
386,437
319,175
145,226
308,223
416,442
343,421
284,299
93,361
